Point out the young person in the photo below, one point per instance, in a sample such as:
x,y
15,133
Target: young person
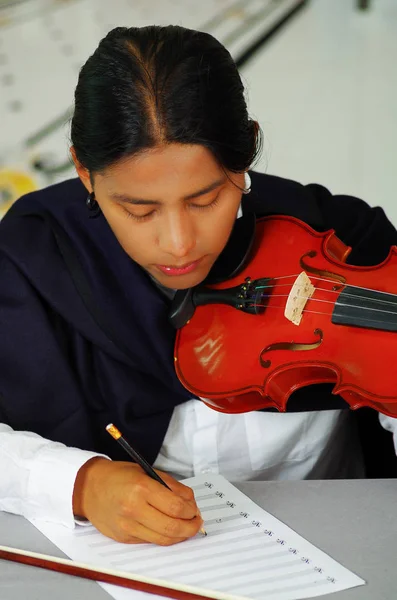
x,y
163,147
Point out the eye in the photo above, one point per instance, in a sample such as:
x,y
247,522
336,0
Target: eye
x,y
212,204
138,218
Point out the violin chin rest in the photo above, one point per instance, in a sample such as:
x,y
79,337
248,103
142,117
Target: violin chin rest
x,y
237,251
182,308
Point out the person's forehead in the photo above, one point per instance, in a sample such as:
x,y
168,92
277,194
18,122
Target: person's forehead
x,y
175,166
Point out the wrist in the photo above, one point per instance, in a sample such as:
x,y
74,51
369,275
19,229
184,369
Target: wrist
x,y
84,484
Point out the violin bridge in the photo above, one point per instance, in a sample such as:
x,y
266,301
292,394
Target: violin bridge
x,y
300,293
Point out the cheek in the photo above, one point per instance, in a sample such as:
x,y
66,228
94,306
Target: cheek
x,y
213,229
223,223
134,240
137,242
221,235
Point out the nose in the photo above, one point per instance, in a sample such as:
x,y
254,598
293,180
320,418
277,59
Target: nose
x,y
177,235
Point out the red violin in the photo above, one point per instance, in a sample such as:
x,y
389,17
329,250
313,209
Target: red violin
x,y
295,315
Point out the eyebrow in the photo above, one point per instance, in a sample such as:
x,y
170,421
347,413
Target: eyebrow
x,y
141,201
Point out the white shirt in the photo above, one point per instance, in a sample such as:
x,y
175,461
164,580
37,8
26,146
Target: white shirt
x,y
260,445
37,476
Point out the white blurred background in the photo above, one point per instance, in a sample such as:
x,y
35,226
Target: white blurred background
x,y
323,85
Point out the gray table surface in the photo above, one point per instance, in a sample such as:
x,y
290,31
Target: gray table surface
x,y
354,521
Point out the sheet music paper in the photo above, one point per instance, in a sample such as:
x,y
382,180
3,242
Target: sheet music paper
x,y
247,553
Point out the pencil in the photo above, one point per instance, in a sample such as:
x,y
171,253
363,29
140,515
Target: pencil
x,y
142,462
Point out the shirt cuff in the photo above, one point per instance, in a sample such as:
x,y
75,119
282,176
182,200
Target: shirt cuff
x,y
51,483
390,424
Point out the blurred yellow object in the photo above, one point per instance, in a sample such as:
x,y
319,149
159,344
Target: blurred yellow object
x,y
13,185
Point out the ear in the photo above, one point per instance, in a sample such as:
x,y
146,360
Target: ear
x,y
82,172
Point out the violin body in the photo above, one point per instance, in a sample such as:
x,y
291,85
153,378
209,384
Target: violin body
x,y
340,328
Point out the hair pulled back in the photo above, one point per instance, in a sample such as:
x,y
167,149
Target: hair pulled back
x,y
145,87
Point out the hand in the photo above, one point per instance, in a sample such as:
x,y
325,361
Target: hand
x,y
125,504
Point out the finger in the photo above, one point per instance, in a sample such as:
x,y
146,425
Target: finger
x,y
173,505
163,499
182,490
159,529
168,526
185,492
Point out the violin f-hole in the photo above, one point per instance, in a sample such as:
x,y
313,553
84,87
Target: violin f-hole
x,y
293,346
329,274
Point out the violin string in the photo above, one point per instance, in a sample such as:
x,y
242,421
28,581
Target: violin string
x,y
326,301
316,312
333,281
346,294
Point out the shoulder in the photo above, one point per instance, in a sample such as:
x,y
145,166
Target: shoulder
x,y
263,182
28,230
312,203
54,198
271,194
31,215
366,229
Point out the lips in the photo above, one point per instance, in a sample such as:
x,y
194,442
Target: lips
x,y
175,270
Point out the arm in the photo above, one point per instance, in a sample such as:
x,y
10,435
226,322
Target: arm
x,y
38,476
370,234
42,391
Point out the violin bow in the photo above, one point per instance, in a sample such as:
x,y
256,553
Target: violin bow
x,y
134,581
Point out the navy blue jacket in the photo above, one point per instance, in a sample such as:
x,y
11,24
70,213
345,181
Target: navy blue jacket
x,y
84,333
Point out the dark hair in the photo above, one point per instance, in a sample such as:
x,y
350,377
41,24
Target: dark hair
x,y
147,86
